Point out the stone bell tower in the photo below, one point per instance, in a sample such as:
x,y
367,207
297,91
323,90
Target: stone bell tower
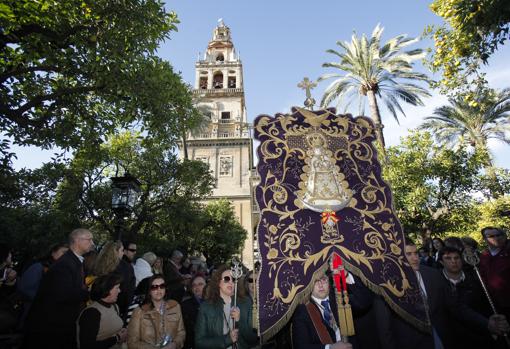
x,y
225,143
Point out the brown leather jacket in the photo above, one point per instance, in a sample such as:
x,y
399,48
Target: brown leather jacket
x,y
145,328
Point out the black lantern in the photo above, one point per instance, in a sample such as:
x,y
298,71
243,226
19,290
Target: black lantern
x,y
125,192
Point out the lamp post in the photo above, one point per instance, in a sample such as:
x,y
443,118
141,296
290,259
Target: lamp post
x,y
125,192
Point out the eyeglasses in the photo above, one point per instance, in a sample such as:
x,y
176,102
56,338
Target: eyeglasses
x,y
160,286
250,280
131,249
227,279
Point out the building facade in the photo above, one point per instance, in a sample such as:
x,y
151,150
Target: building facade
x,y
225,142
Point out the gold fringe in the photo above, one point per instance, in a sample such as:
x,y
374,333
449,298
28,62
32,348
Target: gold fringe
x,y
420,325
301,298
305,296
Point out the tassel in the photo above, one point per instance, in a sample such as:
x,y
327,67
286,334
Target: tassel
x,y
348,317
341,314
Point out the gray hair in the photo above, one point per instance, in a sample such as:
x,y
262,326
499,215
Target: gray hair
x,y
77,233
177,254
150,257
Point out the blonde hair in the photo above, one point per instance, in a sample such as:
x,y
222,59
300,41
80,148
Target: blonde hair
x,y
108,259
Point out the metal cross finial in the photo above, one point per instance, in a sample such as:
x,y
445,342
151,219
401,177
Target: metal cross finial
x,y
236,269
308,85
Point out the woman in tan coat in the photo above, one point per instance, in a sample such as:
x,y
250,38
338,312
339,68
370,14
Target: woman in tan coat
x,y
157,323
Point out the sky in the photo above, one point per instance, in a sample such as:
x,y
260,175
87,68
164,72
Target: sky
x,y
282,41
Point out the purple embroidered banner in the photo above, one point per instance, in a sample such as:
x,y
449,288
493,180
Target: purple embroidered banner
x,y
321,192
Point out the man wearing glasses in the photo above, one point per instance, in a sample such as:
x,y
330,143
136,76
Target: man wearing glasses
x,y
495,268
128,284
62,294
315,324
129,251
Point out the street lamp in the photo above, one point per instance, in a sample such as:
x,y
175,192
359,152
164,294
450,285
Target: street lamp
x,y
125,192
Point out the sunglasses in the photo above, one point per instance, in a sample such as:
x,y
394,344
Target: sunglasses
x,y
131,249
160,286
494,235
228,279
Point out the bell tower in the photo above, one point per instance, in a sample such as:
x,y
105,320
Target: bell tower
x,y
225,143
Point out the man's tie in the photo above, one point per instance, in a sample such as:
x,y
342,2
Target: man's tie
x,y
327,311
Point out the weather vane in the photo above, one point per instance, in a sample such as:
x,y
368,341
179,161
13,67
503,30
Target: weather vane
x,y
308,85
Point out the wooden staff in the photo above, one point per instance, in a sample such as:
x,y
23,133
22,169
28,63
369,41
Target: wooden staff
x,y
471,258
345,319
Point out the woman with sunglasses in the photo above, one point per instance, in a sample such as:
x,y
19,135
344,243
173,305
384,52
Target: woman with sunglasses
x,y
220,324
158,322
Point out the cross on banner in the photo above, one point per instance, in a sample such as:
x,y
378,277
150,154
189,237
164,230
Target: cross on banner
x,y
308,85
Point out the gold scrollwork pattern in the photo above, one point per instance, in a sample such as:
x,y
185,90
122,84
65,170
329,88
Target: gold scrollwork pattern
x,y
287,243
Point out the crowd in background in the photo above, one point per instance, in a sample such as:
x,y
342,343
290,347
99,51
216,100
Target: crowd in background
x,y
78,297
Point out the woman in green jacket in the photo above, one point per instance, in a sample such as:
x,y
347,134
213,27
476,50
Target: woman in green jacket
x,y
217,316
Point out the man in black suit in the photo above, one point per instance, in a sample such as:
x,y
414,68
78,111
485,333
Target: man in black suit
x,y
62,294
468,290
190,307
128,284
442,307
315,324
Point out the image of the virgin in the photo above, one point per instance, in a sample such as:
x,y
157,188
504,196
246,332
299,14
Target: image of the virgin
x,y
323,188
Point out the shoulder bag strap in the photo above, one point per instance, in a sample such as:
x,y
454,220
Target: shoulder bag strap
x,y
320,328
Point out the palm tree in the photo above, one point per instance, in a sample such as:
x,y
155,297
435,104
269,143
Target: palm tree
x,y
473,122
373,71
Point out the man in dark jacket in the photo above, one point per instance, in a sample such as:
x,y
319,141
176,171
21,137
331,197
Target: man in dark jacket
x,y
62,294
190,307
315,324
495,268
128,284
443,308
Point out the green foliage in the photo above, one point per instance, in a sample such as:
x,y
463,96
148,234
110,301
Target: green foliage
x,y
57,198
484,214
375,71
473,31
473,123
223,235
431,185
73,70
491,215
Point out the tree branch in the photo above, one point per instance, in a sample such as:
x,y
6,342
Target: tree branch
x,y
22,70
16,115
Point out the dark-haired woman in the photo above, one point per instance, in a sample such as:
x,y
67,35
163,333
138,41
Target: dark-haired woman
x,y
99,325
158,322
217,316
29,282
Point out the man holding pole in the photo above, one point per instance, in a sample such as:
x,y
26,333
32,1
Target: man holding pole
x,y
316,324
495,268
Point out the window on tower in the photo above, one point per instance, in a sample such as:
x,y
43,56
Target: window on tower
x,y
226,165
220,57
225,115
203,83
231,82
218,80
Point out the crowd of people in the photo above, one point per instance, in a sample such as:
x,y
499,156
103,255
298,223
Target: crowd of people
x,y
76,297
